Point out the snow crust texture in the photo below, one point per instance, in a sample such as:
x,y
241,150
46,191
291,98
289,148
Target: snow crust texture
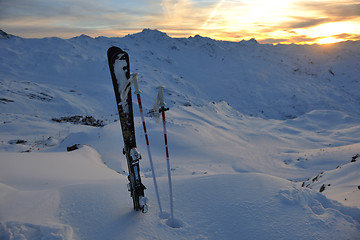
x,y
263,139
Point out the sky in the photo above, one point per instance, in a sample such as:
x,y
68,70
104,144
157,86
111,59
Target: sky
x,y
278,21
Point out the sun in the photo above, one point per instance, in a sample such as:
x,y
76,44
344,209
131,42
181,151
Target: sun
x,y
332,28
331,32
328,40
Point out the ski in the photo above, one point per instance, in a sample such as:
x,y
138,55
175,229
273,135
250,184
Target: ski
x,y
120,74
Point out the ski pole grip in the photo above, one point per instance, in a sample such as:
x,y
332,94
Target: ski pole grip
x,y
136,83
161,96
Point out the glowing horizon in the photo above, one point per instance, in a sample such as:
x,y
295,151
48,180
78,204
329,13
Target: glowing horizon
x,y
281,21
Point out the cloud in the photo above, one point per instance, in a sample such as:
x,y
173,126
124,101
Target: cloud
x,y
273,40
301,39
177,17
213,13
319,12
182,12
336,10
347,36
302,22
324,11
45,17
48,9
220,19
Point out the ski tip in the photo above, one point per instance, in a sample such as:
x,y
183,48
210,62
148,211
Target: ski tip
x,y
112,51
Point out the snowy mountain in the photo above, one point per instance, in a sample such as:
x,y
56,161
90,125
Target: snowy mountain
x,y
250,126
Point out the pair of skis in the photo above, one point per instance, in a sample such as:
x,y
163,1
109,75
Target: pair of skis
x,y
122,80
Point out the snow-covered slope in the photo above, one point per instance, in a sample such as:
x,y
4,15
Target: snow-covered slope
x,y
248,124
341,183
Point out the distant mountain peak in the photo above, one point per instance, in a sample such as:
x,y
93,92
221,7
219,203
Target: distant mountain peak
x,y
251,41
151,34
199,37
4,35
83,36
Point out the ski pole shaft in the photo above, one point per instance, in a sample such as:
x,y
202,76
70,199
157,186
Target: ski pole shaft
x,y
137,92
149,152
160,102
168,162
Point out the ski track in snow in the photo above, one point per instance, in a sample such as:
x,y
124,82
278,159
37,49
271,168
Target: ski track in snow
x,y
255,132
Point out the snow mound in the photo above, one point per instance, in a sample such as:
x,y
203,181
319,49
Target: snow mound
x,y
33,191
259,206
28,231
61,168
321,120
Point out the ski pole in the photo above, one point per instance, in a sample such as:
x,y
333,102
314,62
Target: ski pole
x,y
137,92
162,104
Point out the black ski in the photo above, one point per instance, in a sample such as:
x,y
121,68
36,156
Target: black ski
x,y
120,75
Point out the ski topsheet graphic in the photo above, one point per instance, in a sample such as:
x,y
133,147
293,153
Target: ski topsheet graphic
x,y
120,75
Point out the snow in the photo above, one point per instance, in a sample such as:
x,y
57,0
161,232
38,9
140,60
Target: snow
x,y
254,132
122,82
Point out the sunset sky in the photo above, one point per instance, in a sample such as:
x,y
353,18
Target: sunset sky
x,y
278,21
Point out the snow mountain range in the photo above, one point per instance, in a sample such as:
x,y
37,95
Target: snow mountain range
x,y
263,139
